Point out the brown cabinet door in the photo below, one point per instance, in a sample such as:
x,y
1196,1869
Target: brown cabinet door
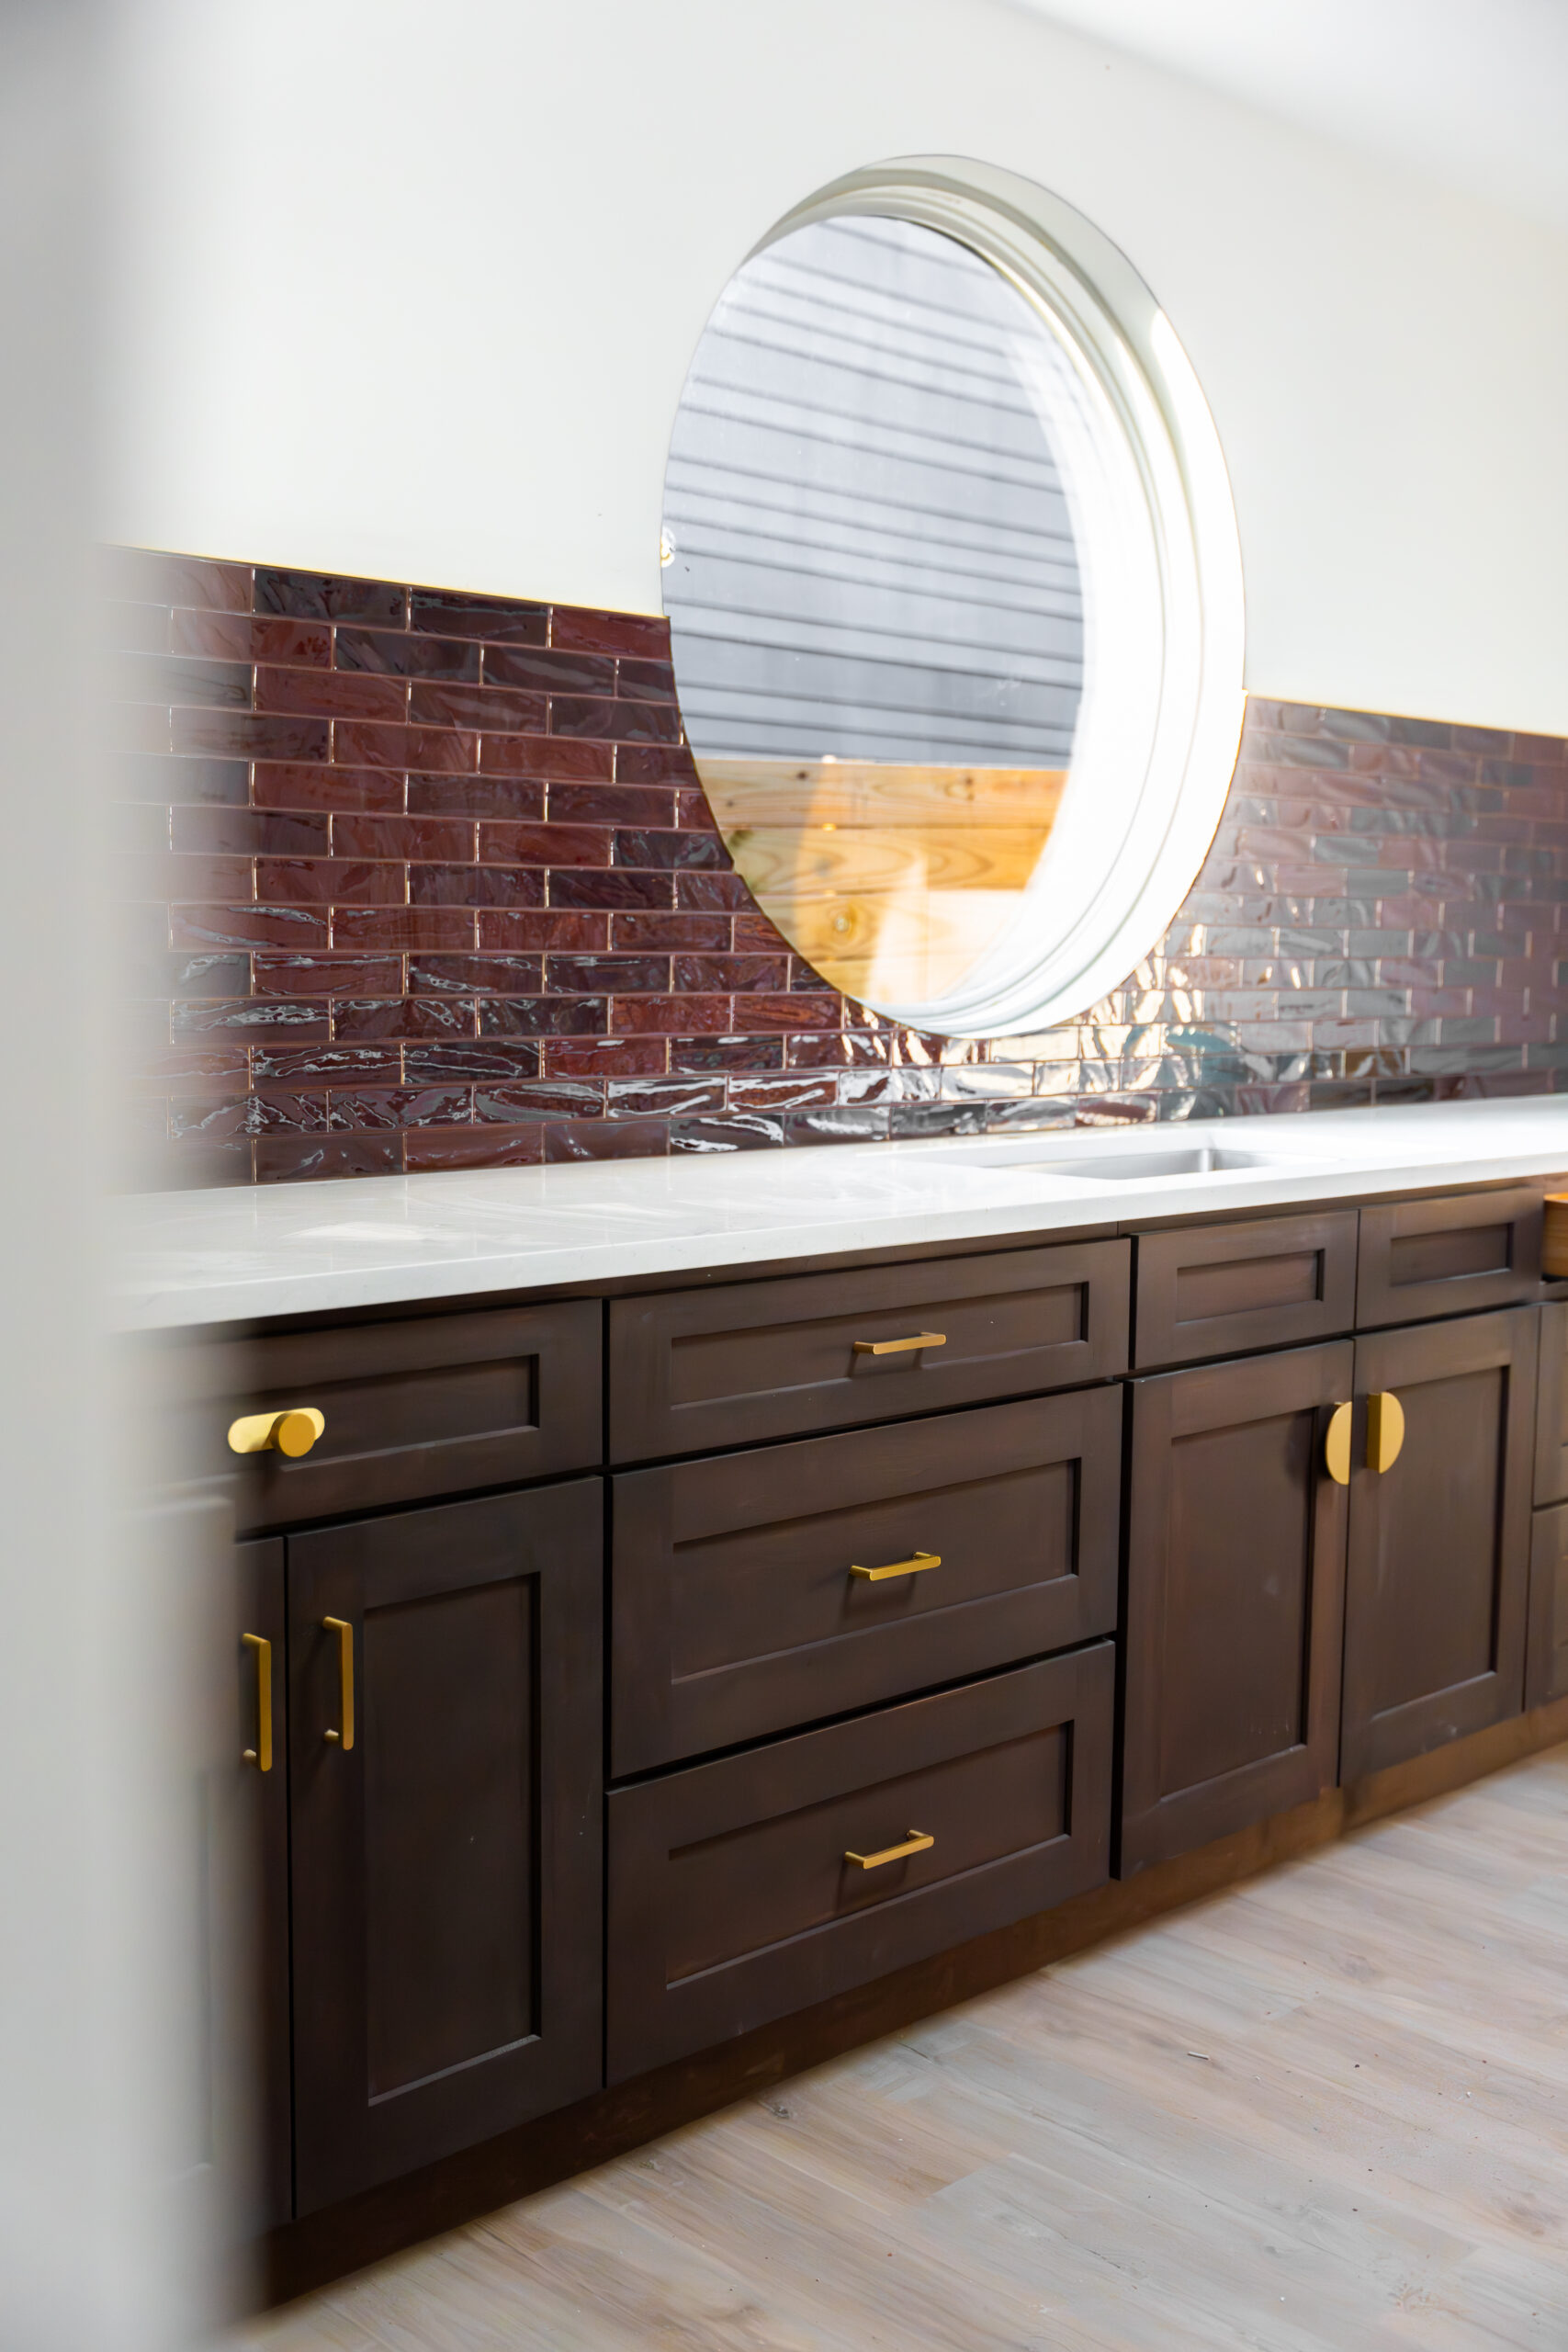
x,y
1448,1256
416,1407
739,1608
695,1370
1217,1290
1546,1655
1235,1591
447,1867
1551,1406
1439,1542
260,1799
735,1891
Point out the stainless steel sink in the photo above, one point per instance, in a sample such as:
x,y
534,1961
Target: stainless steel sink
x,y
1118,1166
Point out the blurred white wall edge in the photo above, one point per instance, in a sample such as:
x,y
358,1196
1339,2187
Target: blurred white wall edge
x,y
98,2061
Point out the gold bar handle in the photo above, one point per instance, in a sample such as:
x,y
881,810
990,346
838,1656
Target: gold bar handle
x,y
1385,1430
916,1843
900,1567
261,1753
344,1632
293,1432
1337,1445
898,1346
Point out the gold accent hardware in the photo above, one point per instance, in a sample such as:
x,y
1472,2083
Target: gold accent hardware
x,y
293,1432
1337,1445
900,1567
916,1843
1385,1430
898,1346
1554,1237
344,1632
261,1753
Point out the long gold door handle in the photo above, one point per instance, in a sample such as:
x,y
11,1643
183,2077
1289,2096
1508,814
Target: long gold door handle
x,y
900,1567
344,1632
916,1843
898,1346
261,1753
1337,1445
293,1432
1385,1430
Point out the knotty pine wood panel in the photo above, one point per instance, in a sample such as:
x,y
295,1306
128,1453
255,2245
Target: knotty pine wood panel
x,y
695,1370
735,1611
1320,2111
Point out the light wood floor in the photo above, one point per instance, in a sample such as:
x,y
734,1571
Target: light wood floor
x,y
1328,2109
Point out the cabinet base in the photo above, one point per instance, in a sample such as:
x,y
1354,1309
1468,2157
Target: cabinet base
x,y
308,2254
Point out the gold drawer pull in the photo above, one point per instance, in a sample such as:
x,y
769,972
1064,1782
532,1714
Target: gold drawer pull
x,y
344,1632
261,1753
1385,1430
900,1567
916,1843
1337,1445
898,1346
293,1432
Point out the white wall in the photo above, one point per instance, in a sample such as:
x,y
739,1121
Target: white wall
x,y
411,291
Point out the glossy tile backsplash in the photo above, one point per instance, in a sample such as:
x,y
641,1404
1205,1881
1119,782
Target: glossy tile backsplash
x,y
416,879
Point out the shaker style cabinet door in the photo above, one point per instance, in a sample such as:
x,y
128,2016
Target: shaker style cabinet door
x,y
446,1795
1440,1539
1234,1598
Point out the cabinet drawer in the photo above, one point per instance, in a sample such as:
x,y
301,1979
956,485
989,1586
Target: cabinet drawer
x,y
1546,1652
1421,1258
738,1610
732,1899
1218,1290
1551,1407
696,1370
434,1405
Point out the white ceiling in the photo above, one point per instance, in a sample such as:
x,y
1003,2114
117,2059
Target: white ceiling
x,y
1472,92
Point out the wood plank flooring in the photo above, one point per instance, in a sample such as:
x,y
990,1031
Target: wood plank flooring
x,y
1326,2111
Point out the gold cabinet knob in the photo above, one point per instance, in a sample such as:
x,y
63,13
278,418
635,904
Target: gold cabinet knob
x,y
1385,1430
293,1432
1337,1445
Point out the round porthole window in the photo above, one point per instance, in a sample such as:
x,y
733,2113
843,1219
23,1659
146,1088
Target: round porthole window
x,y
955,593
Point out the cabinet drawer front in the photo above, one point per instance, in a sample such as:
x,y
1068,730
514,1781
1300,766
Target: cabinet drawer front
x,y
1421,1258
1235,1609
1546,1658
1439,1542
1551,1406
695,1370
732,1900
737,1611
445,1858
1218,1290
430,1406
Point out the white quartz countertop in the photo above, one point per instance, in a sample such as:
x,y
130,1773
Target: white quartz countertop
x,y
241,1254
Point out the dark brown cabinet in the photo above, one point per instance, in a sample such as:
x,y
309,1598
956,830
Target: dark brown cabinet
x,y
1236,1585
758,1591
1546,1652
1448,1256
754,1885
1218,1290
1439,1541
1551,1406
258,1798
444,1754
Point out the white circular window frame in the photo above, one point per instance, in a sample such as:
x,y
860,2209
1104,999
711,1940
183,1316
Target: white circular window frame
x,y
1163,702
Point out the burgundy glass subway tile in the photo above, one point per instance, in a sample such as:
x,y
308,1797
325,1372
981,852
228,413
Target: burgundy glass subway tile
x,y
301,785
612,1057
547,756
233,926
191,977
787,1011
358,742
330,694
731,1131
158,776
546,844
577,715
174,678
283,1065
265,832
316,597
710,933
475,1061
694,810
242,637
162,876
518,799
329,881
548,1099
439,612
613,804
544,1016
783,1093
669,764
480,975
611,889
606,1139
407,1017
670,850
644,637
562,927
408,928
282,1160
582,975
713,892
401,1106
434,703
263,1111
326,975
646,681
428,1149
448,840
244,735
251,1021
549,673
846,1049
480,886
644,1016
706,975
666,1098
